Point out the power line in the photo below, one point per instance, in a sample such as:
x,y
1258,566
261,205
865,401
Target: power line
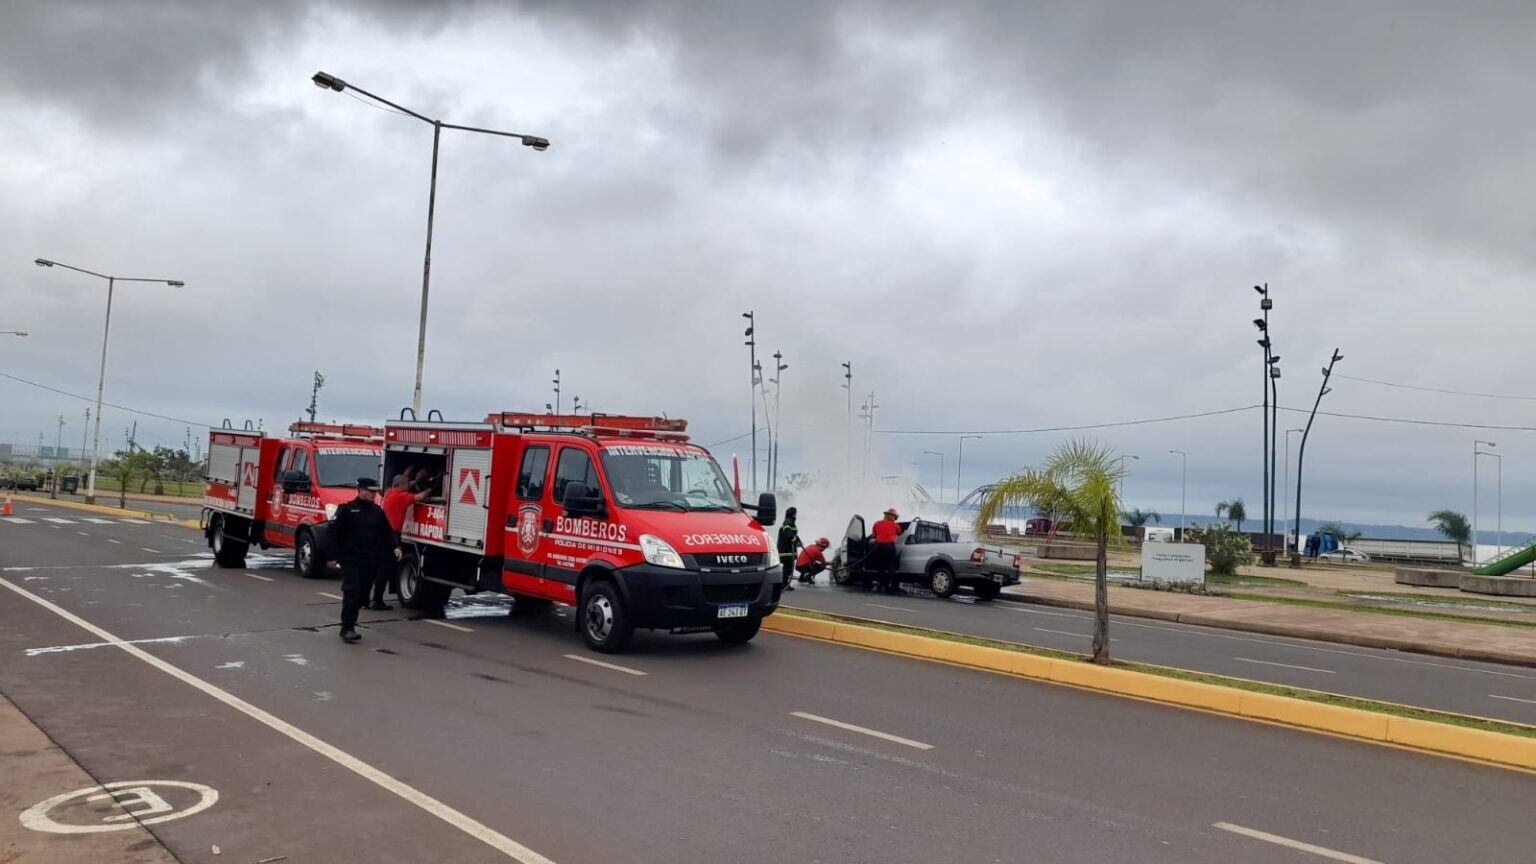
x,y
1440,390
1117,423
1416,422
108,404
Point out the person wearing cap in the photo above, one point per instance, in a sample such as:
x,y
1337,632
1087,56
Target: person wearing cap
x,y
789,542
395,503
884,556
812,561
363,543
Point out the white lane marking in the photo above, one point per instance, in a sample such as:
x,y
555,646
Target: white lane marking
x,y
886,736
484,833
1284,665
233,664
296,659
118,542
1320,851
82,534
614,666
1512,699
1208,632
61,649
57,521
261,577
135,522
892,608
95,521
449,626
151,551
1063,633
17,520
324,594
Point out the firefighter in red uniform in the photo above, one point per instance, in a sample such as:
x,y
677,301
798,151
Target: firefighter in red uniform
x,y
884,554
812,561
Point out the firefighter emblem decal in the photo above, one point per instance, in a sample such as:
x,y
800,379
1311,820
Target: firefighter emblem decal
x,y
528,528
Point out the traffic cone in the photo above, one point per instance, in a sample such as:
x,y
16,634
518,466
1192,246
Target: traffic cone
x,y
5,510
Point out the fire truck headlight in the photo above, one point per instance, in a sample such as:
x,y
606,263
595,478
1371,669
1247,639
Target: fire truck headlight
x,y
330,512
659,552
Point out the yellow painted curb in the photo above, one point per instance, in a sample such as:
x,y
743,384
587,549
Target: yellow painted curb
x,y
191,523
127,513
1426,735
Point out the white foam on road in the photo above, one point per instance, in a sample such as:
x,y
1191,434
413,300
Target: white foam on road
x,y
61,649
1320,851
484,833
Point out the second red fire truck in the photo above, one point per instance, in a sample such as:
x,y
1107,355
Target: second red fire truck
x,y
620,517
276,492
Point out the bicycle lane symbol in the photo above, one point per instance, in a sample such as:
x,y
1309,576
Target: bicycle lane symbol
x,y
119,806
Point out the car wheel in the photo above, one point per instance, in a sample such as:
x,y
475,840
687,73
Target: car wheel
x,y
840,574
604,620
987,590
227,551
941,581
306,559
739,632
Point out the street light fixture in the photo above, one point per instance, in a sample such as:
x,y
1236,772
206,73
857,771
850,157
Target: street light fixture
x,y
1183,488
848,385
326,81
1123,457
101,380
21,333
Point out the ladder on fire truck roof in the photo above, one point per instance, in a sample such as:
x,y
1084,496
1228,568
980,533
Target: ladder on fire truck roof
x,y
618,425
346,431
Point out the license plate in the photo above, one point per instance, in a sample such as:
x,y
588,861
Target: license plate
x,y
735,610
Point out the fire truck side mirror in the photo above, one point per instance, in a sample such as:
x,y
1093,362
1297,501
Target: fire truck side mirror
x,y
295,481
579,500
767,509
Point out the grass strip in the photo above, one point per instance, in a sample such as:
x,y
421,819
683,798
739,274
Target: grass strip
x,y
1318,696
1239,580
1436,598
1382,610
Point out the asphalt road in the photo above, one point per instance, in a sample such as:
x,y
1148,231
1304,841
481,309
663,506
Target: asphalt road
x,y
1466,687
492,738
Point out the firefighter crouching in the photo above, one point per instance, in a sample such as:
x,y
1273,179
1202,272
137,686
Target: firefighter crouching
x,y
364,545
812,560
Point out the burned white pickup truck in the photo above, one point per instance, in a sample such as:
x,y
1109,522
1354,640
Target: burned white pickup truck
x,y
929,555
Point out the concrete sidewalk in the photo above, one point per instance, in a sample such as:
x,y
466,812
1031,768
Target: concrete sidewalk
x,y
1423,635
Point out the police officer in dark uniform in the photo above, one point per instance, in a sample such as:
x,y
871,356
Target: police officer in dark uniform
x,y
364,544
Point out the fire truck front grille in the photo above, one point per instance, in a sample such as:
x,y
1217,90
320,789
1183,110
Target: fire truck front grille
x,y
732,593
725,561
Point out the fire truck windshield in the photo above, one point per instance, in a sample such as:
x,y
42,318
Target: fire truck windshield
x,y
650,477
343,467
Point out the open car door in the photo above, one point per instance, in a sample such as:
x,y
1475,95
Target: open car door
x,y
856,545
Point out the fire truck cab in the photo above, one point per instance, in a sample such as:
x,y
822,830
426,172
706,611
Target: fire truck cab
x,y
279,492
618,516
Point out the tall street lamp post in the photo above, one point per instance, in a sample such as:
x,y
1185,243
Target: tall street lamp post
x,y
327,81
960,464
752,368
1476,453
101,379
778,416
1123,457
1183,488
941,471
1301,452
1287,485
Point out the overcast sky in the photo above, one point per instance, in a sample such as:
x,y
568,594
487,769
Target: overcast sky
x,y
1006,215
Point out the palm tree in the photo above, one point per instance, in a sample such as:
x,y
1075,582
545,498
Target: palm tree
x,y
1137,517
1334,530
1221,509
1080,483
1454,526
1237,512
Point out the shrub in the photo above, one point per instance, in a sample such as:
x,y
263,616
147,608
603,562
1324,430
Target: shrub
x,y
1225,549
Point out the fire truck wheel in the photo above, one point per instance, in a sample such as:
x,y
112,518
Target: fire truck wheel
x,y
739,632
987,590
604,621
227,551
941,580
305,558
418,593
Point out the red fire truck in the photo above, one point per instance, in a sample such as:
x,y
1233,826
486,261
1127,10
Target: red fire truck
x,y
618,516
278,492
